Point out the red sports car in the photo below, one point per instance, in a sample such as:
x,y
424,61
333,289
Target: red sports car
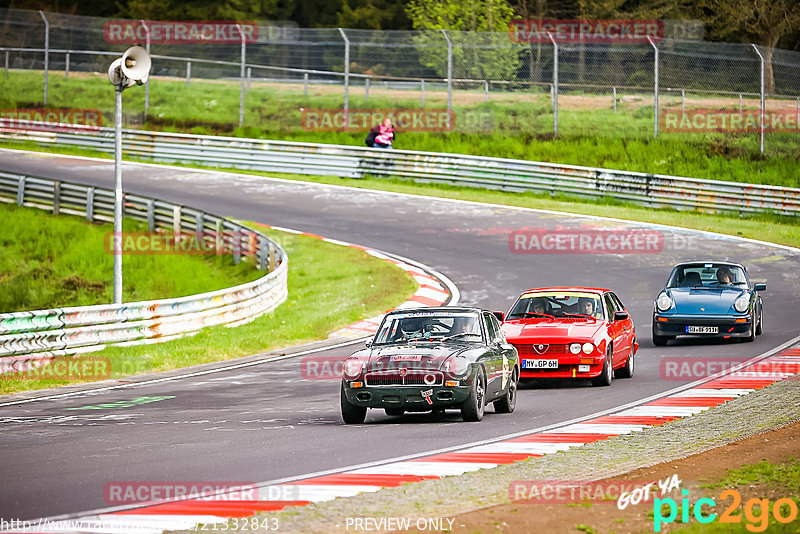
x,y
572,332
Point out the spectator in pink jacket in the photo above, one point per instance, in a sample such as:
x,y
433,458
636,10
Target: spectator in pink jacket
x,y
386,134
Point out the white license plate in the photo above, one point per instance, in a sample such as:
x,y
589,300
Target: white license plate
x,y
702,330
583,368
540,364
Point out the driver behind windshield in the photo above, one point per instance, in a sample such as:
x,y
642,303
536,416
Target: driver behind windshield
x,y
412,327
724,276
586,306
540,306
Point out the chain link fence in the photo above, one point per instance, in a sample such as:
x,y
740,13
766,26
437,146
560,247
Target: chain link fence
x,y
542,89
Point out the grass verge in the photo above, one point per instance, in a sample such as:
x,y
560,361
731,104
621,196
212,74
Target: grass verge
x,y
514,124
352,284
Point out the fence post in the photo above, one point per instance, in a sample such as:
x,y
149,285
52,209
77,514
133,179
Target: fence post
x,y
241,78
346,79
762,95
188,72
176,223
249,76
66,66
271,257
305,84
219,238
199,225
90,204
6,63
555,84
262,253
421,88
366,90
147,83
683,101
237,247
449,77
56,197
655,87
486,88
740,105
798,111
21,191
614,89
46,51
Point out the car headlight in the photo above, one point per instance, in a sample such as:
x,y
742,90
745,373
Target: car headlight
x,y
588,348
663,302
353,367
457,366
575,348
742,303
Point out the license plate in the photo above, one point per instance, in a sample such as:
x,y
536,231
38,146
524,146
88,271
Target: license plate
x,y
702,330
583,368
540,364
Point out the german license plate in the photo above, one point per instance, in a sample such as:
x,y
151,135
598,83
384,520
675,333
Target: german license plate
x,y
702,330
583,368
540,364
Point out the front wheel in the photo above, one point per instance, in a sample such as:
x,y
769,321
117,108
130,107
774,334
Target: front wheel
x,y
760,327
508,402
752,335
607,374
352,414
472,408
627,370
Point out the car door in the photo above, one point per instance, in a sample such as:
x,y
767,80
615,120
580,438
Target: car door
x,y
494,361
616,330
508,354
629,329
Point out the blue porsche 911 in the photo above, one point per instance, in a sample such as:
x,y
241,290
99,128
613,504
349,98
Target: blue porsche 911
x,y
708,299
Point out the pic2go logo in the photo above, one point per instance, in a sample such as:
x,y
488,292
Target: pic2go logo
x,y
756,511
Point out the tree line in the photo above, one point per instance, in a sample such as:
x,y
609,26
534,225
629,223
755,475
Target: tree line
x,y
772,23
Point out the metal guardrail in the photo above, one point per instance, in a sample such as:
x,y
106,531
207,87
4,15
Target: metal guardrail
x,y
652,190
29,338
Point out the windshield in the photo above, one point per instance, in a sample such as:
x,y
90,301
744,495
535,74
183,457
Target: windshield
x,y
416,326
557,304
707,275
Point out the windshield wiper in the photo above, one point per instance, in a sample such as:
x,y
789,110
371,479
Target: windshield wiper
x,y
578,315
448,338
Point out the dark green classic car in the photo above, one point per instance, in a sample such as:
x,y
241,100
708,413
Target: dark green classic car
x,y
430,360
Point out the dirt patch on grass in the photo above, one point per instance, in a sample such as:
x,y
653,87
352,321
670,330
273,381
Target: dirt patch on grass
x,y
775,446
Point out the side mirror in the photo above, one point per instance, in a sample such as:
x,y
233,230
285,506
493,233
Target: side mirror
x,y
368,343
620,315
500,316
759,287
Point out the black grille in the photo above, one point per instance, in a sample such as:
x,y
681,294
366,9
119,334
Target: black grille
x,y
413,377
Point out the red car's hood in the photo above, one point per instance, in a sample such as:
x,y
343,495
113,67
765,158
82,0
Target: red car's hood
x,y
551,331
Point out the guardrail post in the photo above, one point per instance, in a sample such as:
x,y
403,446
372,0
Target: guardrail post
x,y
237,248
147,83
90,204
66,66
449,77
422,91
46,52
188,72
199,224
151,215
21,191
305,84
241,77
271,257
263,251
56,197
615,99
655,87
366,90
762,96
176,223
219,241
346,79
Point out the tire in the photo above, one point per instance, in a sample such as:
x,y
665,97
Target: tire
x,y
508,402
351,414
752,336
472,409
760,327
607,375
627,370
394,411
660,341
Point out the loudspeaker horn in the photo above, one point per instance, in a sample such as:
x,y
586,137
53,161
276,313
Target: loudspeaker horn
x,y
135,64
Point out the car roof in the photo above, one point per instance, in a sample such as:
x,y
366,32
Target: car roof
x,y
568,288
434,309
732,264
